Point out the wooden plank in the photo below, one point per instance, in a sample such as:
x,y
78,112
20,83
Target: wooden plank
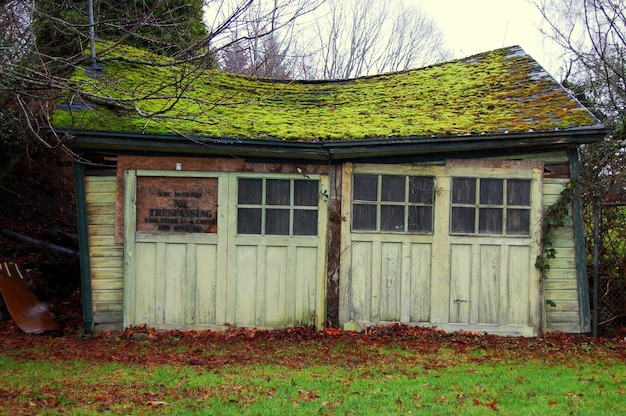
x,y
518,311
108,317
489,280
175,277
461,266
107,284
206,283
107,296
100,210
101,219
305,281
108,273
245,285
560,284
359,293
421,256
565,306
100,182
391,280
103,198
103,240
107,251
105,262
552,192
100,230
568,263
563,295
571,318
106,307
276,291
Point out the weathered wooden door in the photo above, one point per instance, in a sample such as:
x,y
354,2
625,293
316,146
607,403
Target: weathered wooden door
x,y
200,250
451,246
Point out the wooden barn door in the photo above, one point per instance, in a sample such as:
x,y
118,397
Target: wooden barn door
x,y
451,246
200,251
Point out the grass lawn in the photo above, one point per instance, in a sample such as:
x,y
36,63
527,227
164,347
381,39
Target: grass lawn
x,y
392,371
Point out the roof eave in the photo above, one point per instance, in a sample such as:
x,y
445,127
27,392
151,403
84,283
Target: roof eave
x,y
329,150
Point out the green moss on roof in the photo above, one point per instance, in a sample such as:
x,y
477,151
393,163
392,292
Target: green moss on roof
x,y
493,92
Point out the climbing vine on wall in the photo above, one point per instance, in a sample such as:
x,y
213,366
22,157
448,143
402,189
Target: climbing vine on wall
x,y
556,216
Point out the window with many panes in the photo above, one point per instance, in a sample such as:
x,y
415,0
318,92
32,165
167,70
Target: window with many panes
x,y
392,203
490,206
277,206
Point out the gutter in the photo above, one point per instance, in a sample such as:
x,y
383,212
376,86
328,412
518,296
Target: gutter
x,y
328,150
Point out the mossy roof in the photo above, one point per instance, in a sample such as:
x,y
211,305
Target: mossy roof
x,y
501,91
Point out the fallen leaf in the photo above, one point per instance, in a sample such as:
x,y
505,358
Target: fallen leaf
x,y
552,403
492,405
155,403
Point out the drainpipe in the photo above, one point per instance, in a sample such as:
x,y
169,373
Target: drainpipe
x,y
92,33
596,266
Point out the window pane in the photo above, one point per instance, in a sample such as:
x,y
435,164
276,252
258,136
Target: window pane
x,y
249,221
462,220
518,192
305,193
392,188
365,187
304,222
364,217
518,221
250,191
277,221
392,218
277,192
421,190
463,191
490,221
491,191
420,219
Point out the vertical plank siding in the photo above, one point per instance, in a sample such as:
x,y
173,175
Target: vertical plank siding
x,y
106,258
560,283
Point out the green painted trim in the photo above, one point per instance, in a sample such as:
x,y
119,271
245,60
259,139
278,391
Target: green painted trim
x,y
130,217
328,150
579,245
83,243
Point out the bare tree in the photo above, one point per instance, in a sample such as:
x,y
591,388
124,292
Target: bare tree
x,y
359,37
592,34
261,43
51,37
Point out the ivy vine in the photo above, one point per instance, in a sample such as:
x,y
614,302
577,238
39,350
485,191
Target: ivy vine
x,y
556,216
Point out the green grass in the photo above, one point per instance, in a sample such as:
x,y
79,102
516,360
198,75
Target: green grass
x,y
395,381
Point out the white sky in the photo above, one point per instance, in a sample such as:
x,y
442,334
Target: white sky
x,y
474,26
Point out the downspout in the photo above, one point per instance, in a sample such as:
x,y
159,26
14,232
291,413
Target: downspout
x,y
83,244
92,33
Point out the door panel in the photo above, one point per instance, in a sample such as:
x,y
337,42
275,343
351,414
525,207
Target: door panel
x,y
460,279
489,285
202,273
471,268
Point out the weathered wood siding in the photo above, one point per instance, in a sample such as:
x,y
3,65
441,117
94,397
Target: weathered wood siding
x,y
560,282
106,258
